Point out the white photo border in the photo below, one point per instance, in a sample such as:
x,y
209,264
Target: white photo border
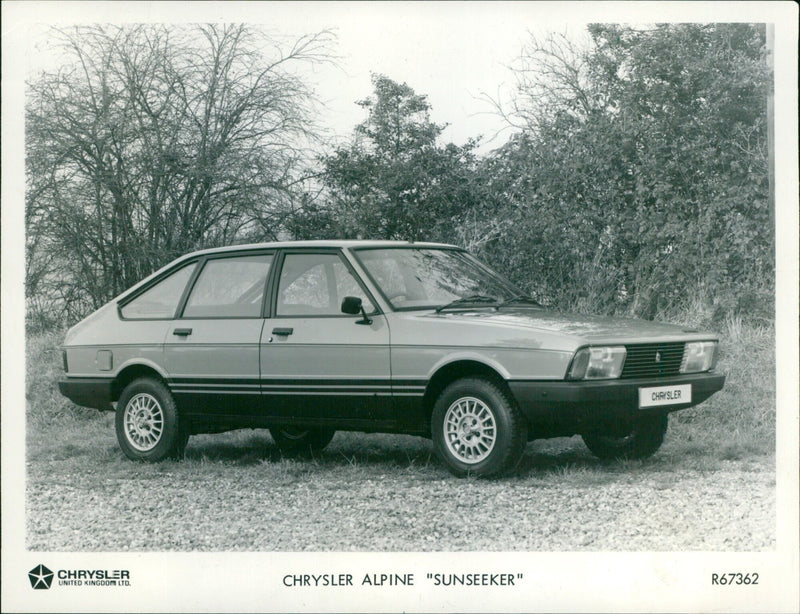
x,y
553,581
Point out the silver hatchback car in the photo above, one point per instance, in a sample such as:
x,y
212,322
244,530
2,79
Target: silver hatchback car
x,y
306,338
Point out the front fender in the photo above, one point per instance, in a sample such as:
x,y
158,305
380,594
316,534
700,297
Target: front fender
x,y
469,356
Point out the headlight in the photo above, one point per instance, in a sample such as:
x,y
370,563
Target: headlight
x,y
699,356
597,363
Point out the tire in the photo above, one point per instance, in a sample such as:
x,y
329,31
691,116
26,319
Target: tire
x,y
477,428
296,440
148,425
642,441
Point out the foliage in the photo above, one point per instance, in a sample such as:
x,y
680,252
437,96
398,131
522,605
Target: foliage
x,y
636,183
640,183
394,180
151,141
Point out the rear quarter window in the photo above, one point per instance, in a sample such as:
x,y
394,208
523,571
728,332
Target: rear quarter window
x,y
161,300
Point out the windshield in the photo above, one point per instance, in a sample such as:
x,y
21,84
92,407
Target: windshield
x,y
428,278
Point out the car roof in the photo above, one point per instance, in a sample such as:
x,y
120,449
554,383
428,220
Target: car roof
x,y
335,243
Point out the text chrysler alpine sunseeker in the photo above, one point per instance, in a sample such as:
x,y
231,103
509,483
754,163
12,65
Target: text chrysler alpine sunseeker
x,y
305,338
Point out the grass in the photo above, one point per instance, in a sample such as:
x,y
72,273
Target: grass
x,y
235,491
385,492
738,421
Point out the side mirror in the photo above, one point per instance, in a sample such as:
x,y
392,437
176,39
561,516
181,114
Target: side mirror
x,y
353,306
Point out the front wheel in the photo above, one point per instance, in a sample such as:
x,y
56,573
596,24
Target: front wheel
x,y
293,440
477,428
641,440
147,422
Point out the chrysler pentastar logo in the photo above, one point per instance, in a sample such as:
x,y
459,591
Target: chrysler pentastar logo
x,y
40,577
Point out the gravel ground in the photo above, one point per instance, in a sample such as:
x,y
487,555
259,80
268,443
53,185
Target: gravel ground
x,y
386,493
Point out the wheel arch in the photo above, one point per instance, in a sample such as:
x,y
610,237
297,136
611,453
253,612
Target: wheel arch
x,y
458,369
131,372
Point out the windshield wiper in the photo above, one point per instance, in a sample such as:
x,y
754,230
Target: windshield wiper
x,y
473,298
518,298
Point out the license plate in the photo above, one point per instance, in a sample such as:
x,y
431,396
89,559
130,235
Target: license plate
x,y
665,395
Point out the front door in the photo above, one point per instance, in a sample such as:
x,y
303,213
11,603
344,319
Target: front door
x,y
319,365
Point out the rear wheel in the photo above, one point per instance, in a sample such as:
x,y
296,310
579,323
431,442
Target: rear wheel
x,y
292,440
477,428
147,422
641,439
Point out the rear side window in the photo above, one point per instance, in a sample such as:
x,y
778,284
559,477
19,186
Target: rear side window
x,y
161,300
230,288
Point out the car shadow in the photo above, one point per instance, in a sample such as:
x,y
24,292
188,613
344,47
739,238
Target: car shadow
x,y
373,450
239,447
571,458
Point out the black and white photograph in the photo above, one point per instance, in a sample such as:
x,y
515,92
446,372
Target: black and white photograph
x,y
400,307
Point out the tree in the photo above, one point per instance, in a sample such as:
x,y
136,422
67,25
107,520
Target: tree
x,y
151,141
394,180
641,175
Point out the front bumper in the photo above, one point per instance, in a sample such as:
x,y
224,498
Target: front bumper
x,y
595,401
88,392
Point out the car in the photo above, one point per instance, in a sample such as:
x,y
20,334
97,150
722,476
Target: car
x,y
307,338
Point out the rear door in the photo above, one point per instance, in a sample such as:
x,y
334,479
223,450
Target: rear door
x,y
319,365
212,350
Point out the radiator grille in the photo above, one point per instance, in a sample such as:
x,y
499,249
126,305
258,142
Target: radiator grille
x,y
652,360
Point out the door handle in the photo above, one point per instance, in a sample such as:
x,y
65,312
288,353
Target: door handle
x,y
283,332
182,332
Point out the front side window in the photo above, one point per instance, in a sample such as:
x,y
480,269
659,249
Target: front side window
x,y
423,278
315,285
230,288
161,300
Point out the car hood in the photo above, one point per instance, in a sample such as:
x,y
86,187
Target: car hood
x,y
588,327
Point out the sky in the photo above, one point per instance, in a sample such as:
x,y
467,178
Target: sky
x,y
455,53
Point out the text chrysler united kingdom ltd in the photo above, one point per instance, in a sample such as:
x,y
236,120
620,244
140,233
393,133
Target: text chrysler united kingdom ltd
x,y
306,338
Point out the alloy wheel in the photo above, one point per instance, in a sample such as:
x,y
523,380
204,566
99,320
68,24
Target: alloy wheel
x,y
470,430
144,422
